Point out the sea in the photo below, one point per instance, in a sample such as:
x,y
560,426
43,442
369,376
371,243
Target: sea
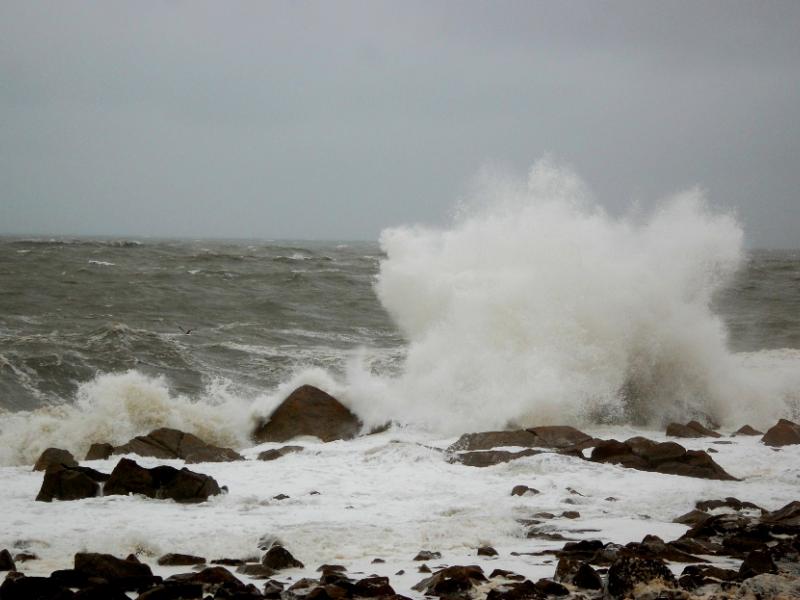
x,y
537,307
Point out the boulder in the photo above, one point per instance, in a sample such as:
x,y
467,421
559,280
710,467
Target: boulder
x,y
278,558
30,588
451,581
487,440
428,555
578,573
628,572
6,561
278,452
783,433
309,411
488,458
173,443
373,587
99,452
559,437
54,457
211,580
160,482
487,551
124,574
757,563
180,560
516,590
70,483
692,429
173,590
523,490
666,457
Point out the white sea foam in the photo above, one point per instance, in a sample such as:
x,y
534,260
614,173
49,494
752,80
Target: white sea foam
x,y
537,306
101,263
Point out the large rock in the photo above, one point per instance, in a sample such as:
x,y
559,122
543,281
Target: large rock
x,y
629,573
7,561
54,457
160,482
99,451
279,558
126,574
309,411
552,436
666,457
783,433
173,443
451,581
747,430
30,588
70,483
692,429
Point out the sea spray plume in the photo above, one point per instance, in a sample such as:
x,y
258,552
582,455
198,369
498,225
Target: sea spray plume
x,y
536,306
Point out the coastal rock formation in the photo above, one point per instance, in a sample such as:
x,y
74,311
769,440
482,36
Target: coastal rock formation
x,y
54,456
783,433
692,429
747,430
309,411
665,457
555,436
125,574
99,451
6,561
488,458
173,443
70,483
279,558
160,482
628,573
451,581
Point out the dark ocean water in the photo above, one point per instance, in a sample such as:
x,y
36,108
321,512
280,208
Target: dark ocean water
x,y
71,309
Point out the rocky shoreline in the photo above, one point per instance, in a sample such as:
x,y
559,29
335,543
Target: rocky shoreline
x,y
759,549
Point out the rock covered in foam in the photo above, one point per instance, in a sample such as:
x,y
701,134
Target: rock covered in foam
x,y
309,411
173,443
783,433
549,436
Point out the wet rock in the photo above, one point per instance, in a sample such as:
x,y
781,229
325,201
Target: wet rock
x,y
628,572
666,457
548,587
378,561
100,591
172,443
571,514
6,561
521,590
788,516
729,502
277,453
160,482
331,568
180,560
584,550
487,440
427,555
122,573
506,575
309,411
451,580
653,547
772,587
695,576
747,430
692,429
280,497
30,588
783,433
693,517
522,490
273,589
487,551
757,563
255,571
373,587
54,456
210,578
279,558
99,452
70,483
559,436
24,557
172,590
488,458
423,568
577,573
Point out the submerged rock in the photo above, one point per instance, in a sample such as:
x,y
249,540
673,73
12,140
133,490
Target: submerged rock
x,y
488,458
551,436
309,411
173,443
277,453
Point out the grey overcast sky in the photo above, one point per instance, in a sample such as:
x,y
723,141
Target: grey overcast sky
x,y
334,120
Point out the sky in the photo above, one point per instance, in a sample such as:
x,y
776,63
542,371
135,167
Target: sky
x,y
334,120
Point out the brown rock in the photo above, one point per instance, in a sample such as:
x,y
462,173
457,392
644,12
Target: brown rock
x,y
30,588
70,483
160,482
451,581
124,574
427,555
522,490
99,452
559,436
692,429
180,560
278,452
172,443
487,551
629,572
6,562
488,458
278,558
783,433
756,563
747,430
173,590
309,411
487,440
373,587
54,457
